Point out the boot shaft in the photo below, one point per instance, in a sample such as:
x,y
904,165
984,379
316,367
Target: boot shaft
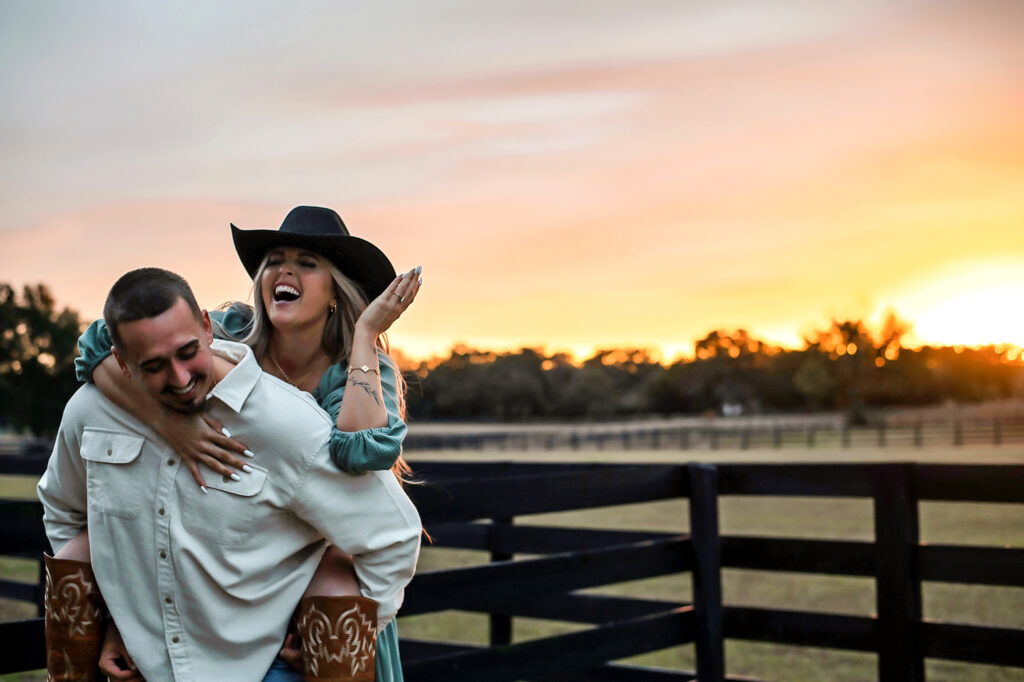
x,y
339,638
76,620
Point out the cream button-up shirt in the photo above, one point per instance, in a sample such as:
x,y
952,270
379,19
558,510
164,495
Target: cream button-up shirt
x,y
202,586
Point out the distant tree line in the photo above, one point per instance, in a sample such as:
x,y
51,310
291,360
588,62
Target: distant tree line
x,y
845,367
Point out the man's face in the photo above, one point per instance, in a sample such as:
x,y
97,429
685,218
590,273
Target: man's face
x,y
170,355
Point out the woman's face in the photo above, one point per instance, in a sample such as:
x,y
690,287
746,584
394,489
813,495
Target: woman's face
x,y
297,288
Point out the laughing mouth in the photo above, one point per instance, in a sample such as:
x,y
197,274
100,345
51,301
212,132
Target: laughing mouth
x,y
185,389
285,294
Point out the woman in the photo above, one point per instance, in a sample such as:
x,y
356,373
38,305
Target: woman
x,y
322,301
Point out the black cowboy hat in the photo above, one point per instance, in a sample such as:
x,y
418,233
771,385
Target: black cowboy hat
x,y
320,230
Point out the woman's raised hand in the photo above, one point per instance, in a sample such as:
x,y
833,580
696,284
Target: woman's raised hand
x,y
201,438
386,308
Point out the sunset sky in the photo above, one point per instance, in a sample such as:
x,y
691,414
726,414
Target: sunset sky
x,y
572,174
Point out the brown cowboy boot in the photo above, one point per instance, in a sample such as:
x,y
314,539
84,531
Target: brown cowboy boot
x,y
339,638
76,619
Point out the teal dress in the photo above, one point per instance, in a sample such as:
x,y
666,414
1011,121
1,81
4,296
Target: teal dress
x,y
355,452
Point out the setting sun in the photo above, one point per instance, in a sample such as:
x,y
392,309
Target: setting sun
x,y
971,305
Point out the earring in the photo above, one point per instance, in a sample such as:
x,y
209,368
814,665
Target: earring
x,y
333,308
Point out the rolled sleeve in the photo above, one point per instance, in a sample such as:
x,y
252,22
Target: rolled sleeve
x,y
377,449
62,488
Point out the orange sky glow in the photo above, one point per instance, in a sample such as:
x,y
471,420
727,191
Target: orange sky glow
x,y
631,176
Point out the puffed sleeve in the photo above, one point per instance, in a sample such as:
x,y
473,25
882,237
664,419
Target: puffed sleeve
x,y
93,347
377,449
232,323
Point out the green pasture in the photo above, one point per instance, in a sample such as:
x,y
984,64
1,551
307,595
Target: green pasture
x,y
959,523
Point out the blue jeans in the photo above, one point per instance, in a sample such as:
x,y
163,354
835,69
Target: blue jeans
x,y
282,672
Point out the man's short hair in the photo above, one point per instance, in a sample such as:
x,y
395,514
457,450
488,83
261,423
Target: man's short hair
x,y
144,293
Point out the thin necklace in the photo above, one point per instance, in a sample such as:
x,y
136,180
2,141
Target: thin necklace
x,y
280,369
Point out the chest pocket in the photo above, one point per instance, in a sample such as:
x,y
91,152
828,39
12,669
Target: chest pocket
x,y
112,476
225,514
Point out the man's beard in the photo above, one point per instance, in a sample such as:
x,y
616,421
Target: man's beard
x,y
194,408
191,408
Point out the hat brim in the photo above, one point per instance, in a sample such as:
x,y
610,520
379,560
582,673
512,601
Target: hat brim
x,y
358,259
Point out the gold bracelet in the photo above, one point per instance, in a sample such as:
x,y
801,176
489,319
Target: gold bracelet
x,y
365,369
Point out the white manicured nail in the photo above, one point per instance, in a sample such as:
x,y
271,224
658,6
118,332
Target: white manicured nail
x,y
227,434
203,488
235,477
248,453
246,468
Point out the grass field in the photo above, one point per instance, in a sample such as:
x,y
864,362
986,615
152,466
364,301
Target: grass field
x,y
981,524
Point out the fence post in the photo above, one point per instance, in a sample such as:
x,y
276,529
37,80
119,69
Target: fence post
x,y
810,437
997,431
845,436
881,435
684,439
897,584
707,573
918,440
958,434
501,625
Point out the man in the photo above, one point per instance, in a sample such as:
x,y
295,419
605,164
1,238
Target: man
x,y
201,584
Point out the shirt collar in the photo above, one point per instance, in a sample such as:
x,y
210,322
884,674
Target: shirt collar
x,y
236,386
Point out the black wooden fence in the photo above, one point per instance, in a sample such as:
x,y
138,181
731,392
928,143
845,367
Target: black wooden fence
x,y
474,505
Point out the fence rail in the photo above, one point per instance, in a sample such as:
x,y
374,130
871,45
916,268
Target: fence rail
x,y
826,431
725,434
538,571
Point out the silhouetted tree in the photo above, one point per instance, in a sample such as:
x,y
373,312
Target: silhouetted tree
x,y
626,372
38,345
852,352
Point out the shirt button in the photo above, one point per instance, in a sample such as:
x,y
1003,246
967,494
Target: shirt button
x,y
163,554
109,453
168,600
170,462
160,511
175,640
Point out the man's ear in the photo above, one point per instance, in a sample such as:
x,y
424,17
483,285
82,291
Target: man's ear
x,y
207,327
120,362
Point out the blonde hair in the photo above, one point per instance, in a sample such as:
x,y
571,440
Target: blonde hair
x,y
336,341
